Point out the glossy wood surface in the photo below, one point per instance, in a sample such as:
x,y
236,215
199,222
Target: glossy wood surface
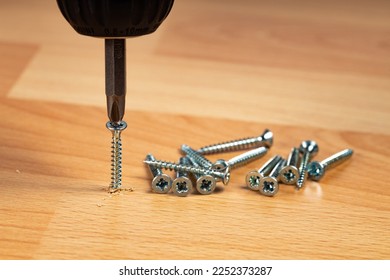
x,y
214,71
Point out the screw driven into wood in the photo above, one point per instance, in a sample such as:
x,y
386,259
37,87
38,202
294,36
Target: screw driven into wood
x,y
116,153
115,21
316,170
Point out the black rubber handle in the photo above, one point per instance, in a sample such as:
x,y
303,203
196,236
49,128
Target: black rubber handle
x,y
115,18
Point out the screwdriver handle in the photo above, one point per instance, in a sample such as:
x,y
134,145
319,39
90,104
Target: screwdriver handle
x,y
115,18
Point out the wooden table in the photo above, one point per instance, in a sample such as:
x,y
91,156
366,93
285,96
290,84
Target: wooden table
x,y
215,70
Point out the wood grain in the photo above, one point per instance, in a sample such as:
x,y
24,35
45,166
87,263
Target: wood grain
x,y
14,59
227,58
56,204
215,70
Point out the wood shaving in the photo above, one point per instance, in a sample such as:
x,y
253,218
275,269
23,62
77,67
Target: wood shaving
x,y
113,192
118,191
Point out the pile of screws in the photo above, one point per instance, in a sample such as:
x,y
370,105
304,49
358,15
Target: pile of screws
x,y
294,170
205,174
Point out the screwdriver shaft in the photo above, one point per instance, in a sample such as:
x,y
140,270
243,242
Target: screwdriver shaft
x,y
115,56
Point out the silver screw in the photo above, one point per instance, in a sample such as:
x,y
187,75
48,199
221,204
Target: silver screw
x,y
240,160
264,140
116,153
161,182
269,185
196,156
182,186
254,177
205,184
316,170
309,149
289,173
224,176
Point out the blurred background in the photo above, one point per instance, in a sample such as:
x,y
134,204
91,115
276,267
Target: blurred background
x,y
322,63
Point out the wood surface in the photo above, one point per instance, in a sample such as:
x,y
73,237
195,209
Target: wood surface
x,y
214,71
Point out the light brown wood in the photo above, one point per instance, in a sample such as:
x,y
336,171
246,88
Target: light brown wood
x,y
216,70
14,58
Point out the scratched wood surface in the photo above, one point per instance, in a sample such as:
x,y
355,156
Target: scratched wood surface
x,y
215,70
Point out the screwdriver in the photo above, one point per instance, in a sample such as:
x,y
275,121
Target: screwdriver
x,y
114,21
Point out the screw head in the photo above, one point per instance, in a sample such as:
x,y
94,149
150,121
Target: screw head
x,y
226,177
267,137
220,165
253,179
161,183
289,175
309,146
269,186
315,170
225,170
116,126
205,184
182,186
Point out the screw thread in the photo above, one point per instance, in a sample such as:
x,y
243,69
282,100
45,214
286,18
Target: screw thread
x,y
240,144
153,170
196,156
116,160
247,157
183,161
303,169
269,165
293,157
275,171
116,154
191,162
336,159
184,168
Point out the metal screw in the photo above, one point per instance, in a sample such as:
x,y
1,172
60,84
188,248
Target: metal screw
x,y
254,177
116,153
309,149
265,139
205,184
221,164
161,182
240,160
224,176
182,186
196,156
316,170
269,184
289,173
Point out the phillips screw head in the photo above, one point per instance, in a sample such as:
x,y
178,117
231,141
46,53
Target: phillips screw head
x,y
316,170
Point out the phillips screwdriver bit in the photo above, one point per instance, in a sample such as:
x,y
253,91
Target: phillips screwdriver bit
x,y
115,79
